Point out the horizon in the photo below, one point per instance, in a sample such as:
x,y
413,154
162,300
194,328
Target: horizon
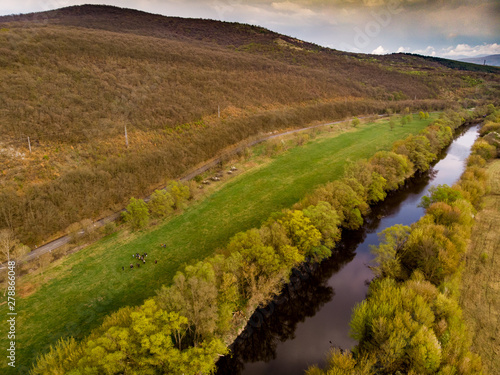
x,y
363,26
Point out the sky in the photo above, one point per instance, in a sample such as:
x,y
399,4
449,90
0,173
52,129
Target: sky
x,y
445,28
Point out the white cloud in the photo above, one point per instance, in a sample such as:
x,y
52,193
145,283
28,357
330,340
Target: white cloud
x,y
462,50
403,49
294,8
429,51
380,51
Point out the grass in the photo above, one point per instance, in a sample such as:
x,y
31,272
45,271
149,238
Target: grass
x,y
80,290
481,280
72,82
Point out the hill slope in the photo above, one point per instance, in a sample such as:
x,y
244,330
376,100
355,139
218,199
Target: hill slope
x,y
491,60
74,78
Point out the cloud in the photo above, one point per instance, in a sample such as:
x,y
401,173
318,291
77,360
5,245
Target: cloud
x,y
429,51
462,50
403,49
293,8
380,51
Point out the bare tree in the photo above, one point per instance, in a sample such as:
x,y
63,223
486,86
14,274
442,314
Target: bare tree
x,y
7,243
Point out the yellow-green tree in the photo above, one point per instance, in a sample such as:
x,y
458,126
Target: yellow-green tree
x,y
137,213
161,203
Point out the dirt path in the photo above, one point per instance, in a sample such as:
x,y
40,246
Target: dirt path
x,y
224,155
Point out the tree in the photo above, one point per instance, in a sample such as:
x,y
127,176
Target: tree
x,y
263,258
193,294
387,252
355,122
440,193
366,176
484,149
324,217
429,250
394,168
138,340
304,235
417,150
392,122
179,192
136,214
394,326
161,203
7,244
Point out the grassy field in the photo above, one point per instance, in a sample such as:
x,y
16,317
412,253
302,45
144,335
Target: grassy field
x,y
481,280
78,291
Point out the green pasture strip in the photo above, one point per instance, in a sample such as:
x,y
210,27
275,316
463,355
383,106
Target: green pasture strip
x,y
88,285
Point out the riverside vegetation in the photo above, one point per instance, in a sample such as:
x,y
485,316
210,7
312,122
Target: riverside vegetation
x,y
189,323
72,80
75,294
479,301
412,321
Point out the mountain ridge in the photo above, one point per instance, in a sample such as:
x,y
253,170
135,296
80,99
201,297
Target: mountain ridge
x,y
73,79
491,60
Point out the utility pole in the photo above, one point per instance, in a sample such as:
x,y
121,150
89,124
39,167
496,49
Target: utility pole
x,y
126,136
29,144
218,111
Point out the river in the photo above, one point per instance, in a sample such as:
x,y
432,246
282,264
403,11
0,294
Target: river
x,y
313,312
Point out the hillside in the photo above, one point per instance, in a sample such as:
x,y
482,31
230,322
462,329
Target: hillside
x,y
491,60
72,80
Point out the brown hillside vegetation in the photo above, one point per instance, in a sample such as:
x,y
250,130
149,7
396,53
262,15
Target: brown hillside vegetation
x,y
73,78
481,281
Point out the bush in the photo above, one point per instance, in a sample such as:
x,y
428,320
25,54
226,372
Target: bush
x,y
394,168
109,228
179,192
484,149
136,214
161,203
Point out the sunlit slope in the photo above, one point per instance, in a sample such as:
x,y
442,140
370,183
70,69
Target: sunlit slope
x,y
75,79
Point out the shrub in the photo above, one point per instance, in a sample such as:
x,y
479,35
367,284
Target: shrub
x,y
161,203
136,214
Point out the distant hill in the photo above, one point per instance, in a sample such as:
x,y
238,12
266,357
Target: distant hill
x,y
491,60
72,79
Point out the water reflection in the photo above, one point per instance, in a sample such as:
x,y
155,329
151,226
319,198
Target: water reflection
x,y
313,312
303,297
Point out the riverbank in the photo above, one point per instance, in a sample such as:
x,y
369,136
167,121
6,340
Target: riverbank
x,y
249,269
481,280
252,266
77,292
286,337
411,320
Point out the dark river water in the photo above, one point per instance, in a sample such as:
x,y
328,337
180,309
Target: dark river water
x,y
313,312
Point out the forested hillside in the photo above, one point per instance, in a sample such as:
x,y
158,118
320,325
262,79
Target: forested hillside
x,y
73,79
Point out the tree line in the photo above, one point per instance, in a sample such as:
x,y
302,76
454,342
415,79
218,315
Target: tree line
x,y
190,323
36,211
411,321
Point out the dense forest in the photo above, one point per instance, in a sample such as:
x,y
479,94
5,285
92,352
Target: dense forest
x,y
75,80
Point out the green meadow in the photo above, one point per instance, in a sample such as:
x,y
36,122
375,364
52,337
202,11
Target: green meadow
x,y
77,292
